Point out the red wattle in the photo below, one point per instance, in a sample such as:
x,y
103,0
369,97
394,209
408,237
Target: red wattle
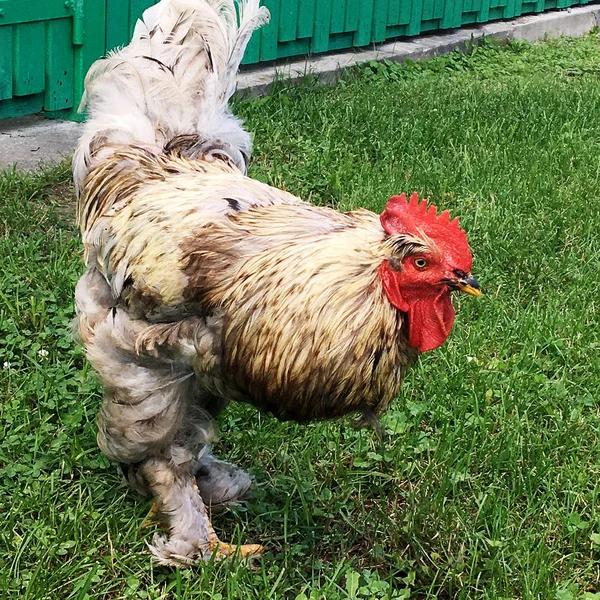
x,y
430,321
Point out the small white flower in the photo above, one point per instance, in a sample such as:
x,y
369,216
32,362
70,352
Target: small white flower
x,y
470,358
42,353
6,365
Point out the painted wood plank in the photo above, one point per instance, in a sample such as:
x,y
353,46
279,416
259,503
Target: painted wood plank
x,y
270,32
252,54
427,10
117,24
380,13
404,12
60,78
340,41
365,23
6,62
288,20
338,16
483,16
28,61
295,48
414,24
21,11
438,8
306,18
136,9
452,14
320,41
393,12
352,11
510,9
94,19
25,105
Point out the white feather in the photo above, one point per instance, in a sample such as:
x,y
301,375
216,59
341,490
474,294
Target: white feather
x,y
175,77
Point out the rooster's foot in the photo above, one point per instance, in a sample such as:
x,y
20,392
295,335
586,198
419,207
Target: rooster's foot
x,y
192,538
245,551
181,553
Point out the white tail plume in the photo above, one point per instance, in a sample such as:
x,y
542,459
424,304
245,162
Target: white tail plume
x,y
174,78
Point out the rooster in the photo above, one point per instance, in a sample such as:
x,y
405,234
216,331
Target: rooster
x,y
204,286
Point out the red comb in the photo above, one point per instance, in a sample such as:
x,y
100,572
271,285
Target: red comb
x,y
418,218
402,216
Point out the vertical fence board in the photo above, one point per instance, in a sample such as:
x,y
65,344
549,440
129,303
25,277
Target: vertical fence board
x,y
268,42
288,19
427,10
365,24
393,12
94,19
414,24
404,12
352,10
484,11
6,62
306,18
252,54
28,61
136,8
380,14
338,16
320,42
452,16
117,23
509,9
60,81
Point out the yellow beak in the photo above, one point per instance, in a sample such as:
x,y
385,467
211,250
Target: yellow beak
x,y
469,285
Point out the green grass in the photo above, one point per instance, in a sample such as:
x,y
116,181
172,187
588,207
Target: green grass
x,y
487,482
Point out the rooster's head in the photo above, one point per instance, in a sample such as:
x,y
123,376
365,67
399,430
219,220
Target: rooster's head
x,y
430,257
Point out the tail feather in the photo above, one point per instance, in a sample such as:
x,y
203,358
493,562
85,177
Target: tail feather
x,y
174,78
252,16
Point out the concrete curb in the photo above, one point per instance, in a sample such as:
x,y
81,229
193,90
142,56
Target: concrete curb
x,y
31,142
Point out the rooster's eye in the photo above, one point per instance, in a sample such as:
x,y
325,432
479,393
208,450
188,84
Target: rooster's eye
x,y
420,263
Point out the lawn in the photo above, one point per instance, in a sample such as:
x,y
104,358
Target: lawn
x,y
487,481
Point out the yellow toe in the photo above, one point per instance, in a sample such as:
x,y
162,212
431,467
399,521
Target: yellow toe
x,y
224,550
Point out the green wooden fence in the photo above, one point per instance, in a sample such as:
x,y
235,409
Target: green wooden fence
x,y
46,46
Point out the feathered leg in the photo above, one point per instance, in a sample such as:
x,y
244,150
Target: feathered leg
x,y
191,534
221,483
150,419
